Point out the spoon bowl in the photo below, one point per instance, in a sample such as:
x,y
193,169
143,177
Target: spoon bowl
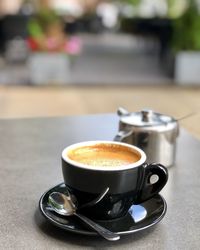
x,y
63,205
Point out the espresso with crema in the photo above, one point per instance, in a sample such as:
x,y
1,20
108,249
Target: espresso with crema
x,y
104,155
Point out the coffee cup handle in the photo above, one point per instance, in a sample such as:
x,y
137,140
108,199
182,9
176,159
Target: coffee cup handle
x,y
148,189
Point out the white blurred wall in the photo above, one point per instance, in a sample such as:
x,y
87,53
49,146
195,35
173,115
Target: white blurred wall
x,y
9,6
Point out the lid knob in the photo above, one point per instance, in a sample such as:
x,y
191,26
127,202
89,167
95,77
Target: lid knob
x,y
146,115
122,111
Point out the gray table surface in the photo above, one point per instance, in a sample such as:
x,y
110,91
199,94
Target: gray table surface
x,y
30,151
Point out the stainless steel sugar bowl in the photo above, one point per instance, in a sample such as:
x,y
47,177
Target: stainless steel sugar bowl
x,y
153,132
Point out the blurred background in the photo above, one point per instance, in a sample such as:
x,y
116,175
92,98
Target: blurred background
x,y
69,57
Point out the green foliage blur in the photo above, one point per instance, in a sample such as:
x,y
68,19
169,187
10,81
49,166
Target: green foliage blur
x,y
186,29
133,2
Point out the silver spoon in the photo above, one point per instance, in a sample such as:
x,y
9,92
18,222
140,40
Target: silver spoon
x,y
63,205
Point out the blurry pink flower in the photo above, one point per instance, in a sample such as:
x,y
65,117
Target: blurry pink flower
x,y
74,46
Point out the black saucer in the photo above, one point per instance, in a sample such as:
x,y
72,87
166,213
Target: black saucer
x,y
139,217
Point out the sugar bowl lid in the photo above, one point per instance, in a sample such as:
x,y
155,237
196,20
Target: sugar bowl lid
x,y
144,118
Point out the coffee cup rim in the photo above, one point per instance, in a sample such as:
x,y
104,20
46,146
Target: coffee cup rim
x,y
101,168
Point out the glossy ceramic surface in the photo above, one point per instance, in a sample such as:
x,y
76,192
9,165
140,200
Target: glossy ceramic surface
x,y
138,218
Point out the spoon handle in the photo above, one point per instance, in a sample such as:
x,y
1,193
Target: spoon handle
x,y
105,233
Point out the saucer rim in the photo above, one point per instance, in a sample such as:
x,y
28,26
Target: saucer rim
x,y
93,233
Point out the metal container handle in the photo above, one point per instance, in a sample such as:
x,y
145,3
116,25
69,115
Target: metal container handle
x,y
121,135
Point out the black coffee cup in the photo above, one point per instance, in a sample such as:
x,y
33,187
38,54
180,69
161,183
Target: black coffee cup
x,y
128,184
